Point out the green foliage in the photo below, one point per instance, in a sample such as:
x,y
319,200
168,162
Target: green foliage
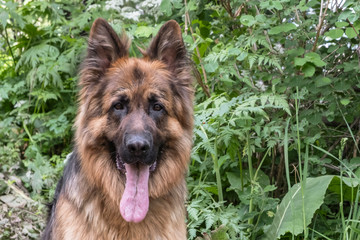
x,y
283,81
289,215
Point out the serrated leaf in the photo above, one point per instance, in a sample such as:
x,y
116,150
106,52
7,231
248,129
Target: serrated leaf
x,y
242,56
220,234
335,33
37,182
286,27
4,16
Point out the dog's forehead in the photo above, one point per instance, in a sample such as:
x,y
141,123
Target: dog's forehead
x,y
134,76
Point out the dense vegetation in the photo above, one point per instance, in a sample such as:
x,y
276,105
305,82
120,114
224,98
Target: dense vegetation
x,y
276,141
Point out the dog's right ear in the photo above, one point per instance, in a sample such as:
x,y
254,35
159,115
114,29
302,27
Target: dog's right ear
x,y
104,47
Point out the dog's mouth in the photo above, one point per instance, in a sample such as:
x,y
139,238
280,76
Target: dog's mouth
x,y
120,164
134,203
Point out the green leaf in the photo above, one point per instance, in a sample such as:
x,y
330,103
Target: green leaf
x,y
220,233
341,24
4,16
192,5
242,56
308,70
345,101
315,59
235,180
211,67
286,27
290,214
348,185
299,61
247,20
165,7
296,52
335,33
323,81
350,33
144,31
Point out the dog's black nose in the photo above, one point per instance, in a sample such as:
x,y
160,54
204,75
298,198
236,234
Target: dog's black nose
x,y
137,145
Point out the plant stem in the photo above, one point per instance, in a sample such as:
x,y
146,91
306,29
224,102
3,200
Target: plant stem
x,y
250,221
286,154
217,172
241,170
302,179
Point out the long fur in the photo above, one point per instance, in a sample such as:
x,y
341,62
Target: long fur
x,y
86,203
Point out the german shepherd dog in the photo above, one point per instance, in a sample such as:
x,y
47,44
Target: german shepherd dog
x,y
126,176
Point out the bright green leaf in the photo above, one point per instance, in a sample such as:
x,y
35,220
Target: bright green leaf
x,y
335,33
350,33
211,67
299,61
341,24
144,31
315,59
286,27
345,101
247,20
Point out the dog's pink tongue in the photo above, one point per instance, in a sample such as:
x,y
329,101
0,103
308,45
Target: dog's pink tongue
x,y
134,203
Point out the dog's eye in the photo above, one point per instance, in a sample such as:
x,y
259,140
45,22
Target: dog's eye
x,y
157,107
119,106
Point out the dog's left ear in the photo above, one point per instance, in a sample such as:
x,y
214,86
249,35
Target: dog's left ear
x,y
168,46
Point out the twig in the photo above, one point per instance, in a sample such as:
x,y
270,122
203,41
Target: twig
x,y
227,6
321,21
330,53
357,34
8,43
19,192
203,86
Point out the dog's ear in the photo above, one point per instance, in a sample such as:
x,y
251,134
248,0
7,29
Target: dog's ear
x,y
104,47
168,46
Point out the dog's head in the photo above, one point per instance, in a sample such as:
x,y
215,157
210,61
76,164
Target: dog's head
x,y
140,110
